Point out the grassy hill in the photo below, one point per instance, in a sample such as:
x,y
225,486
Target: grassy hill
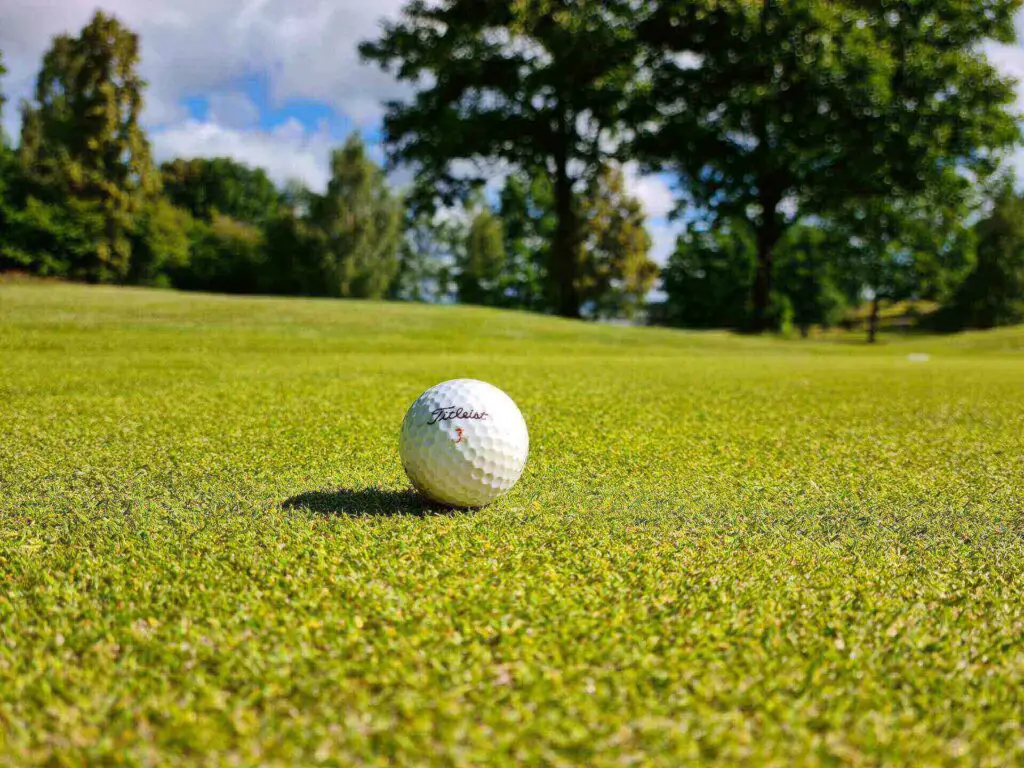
x,y
725,549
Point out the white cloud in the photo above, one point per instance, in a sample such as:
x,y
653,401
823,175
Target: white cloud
x,y
307,48
663,240
654,192
287,152
1009,59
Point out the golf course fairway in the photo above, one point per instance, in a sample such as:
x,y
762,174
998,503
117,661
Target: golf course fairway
x,y
724,549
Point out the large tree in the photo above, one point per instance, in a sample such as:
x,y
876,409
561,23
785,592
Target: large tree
x,y
82,142
772,109
358,225
525,83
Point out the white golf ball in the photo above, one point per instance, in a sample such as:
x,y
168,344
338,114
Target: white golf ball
x,y
464,443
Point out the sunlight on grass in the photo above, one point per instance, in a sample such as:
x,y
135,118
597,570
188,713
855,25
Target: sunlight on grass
x,y
737,549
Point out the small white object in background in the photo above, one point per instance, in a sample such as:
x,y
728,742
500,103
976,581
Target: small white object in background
x,y
464,443
919,357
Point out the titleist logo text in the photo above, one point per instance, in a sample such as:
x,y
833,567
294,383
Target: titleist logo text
x,y
451,412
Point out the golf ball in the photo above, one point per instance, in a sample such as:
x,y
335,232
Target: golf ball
x,y
464,443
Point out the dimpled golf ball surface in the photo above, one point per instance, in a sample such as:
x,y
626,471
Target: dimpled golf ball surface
x,y
464,443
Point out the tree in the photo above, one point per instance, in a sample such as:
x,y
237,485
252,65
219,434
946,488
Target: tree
x,y
527,212
202,186
707,279
993,293
482,261
292,245
7,170
534,84
915,247
431,245
615,274
770,110
358,226
81,140
806,267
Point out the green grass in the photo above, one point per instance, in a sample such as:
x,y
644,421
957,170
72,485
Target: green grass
x,y
724,549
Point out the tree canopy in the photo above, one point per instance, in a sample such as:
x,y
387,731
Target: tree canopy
x,y
526,85
993,293
772,110
204,185
82,140
358,225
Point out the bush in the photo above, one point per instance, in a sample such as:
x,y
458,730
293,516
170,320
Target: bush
x,y
226,256
160,244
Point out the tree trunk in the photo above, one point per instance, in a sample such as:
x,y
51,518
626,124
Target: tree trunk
x,y
767,230
762,289
873,320
564,251
768,234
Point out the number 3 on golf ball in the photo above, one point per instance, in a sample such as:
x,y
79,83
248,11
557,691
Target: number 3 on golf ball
x,y
464,443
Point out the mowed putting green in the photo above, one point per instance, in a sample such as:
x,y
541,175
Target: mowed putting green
x,y
726,549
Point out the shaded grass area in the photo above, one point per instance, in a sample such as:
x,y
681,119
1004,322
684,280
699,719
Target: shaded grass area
x,y
724,549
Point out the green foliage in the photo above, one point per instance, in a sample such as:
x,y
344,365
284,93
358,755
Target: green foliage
x,y
11,255
482,262
615,274
840,146
532,85
707,279
202,186
292,257
916,247
226,256
161,244
527,212
431,246
3,100
358,222
808,105
81,141
806,278
52,239
993,293
948,107
724,550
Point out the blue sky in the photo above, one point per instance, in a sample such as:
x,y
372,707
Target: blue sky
x,y
274,83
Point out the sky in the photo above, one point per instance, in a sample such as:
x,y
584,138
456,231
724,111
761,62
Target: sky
x,y
271,83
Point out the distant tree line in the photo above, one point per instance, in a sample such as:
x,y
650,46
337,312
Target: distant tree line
x,y
825,154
